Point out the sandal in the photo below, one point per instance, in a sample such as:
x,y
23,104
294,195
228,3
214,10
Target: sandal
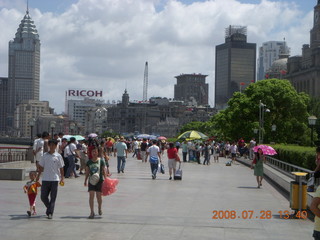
x,y
29,213
100,212
91,216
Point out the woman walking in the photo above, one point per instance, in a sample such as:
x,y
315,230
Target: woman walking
x,y
96,172
258,161
172,162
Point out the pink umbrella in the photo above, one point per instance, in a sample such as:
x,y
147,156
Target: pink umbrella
x,y
267,150
162,138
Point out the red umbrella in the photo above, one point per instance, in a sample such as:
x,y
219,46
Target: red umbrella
x,y
267,150
162,138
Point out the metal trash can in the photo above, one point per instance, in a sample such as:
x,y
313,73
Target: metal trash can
x,y
298,192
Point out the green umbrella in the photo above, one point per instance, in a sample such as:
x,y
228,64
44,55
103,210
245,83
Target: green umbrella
x,y
192,135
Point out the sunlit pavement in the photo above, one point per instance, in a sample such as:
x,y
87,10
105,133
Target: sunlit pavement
x,y
211,202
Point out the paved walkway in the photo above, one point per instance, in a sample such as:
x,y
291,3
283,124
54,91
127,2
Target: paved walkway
x,y
143,208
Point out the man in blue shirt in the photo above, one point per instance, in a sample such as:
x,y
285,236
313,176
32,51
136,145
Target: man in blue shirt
x,y
122,153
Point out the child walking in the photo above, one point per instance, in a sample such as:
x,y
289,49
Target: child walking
x,y
31,188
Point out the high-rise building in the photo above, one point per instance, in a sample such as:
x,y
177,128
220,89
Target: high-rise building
x,y
304,71
235,65
268,53
192,88
24,66
3,104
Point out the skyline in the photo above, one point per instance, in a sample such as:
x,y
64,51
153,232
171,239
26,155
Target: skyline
x,y
109,41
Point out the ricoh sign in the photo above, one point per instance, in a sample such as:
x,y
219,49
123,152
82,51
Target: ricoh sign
x,y
84,93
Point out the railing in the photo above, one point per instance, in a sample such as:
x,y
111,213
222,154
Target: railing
x,y
284,167
13,154
287,168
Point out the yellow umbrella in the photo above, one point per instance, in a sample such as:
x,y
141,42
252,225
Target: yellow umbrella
x,y
192,135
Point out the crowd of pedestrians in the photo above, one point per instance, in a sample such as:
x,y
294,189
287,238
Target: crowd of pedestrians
x,y
58,157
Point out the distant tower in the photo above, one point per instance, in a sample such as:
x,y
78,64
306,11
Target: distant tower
x,y
24,65
145,83
125,98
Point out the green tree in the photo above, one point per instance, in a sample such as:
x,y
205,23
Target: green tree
x,y
107,134
288,111
314,109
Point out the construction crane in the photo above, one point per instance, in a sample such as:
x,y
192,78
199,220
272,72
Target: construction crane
x,y
145,83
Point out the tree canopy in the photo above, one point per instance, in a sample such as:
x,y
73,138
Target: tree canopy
x,y
288,111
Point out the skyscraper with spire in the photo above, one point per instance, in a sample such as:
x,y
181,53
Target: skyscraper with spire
x,y
24,66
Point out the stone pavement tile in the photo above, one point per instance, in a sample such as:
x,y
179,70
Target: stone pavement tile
x,y
203,233
158,232
143,208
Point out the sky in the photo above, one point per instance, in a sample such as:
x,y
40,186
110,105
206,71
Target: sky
x,y
104,44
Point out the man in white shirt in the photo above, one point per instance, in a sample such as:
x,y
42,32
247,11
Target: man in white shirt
x,y
135,148
72,154
233,150
34,148
39,148
51,164
155,156
251,146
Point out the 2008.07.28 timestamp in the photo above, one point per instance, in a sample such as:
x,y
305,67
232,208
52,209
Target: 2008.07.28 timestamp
x,y
251,214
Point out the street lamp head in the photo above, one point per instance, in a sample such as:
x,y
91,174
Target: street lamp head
x,y
72,125
255,130
312,120
267,110
32,122
273,127
52,124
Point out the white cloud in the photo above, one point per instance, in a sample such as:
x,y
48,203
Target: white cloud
x,y
105,43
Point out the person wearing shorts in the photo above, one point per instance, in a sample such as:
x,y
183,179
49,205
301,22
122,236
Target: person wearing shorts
x,y
95,165
172,155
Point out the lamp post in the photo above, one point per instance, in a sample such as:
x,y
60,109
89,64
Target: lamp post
x,y
273,129
32,122
52,126
262,110
255,131
312,122
72,126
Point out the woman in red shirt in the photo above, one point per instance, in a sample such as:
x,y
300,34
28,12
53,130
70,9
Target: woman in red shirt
x,y
172,156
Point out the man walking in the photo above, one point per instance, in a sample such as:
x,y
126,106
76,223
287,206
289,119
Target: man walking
x,y
122,153
251,146
72,154
143,148
155,156
184,151
51,164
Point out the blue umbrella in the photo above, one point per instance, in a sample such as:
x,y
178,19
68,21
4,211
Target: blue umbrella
x,y
143,136
152,137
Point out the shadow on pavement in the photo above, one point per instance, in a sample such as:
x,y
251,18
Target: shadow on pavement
x,y
79,217
248,187
23,216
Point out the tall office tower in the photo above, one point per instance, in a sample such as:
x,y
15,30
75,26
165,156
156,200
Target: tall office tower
x,y
192,88
268,53
3,104
235,65
24,66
